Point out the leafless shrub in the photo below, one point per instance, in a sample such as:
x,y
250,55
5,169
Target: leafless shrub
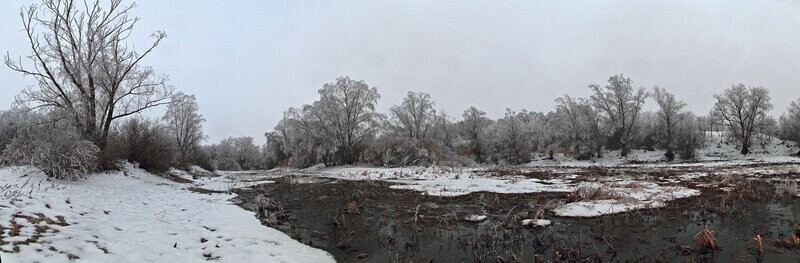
x,y
145,142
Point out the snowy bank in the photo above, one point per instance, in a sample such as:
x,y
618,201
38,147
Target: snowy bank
x,y
132,217
439,181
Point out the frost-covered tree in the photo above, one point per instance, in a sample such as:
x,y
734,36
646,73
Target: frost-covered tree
x,y
790,123
743,111
415,118
274,150
668,110
238,153
185,124
85,66
687,135
621,105
335,127
471,129
648,134
576,126
511,138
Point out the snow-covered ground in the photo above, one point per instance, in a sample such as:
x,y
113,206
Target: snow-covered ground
x,y
625,196
440,181
132,217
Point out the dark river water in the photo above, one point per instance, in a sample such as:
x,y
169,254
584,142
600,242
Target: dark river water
x,y
369,222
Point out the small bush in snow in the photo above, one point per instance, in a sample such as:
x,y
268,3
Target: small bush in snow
x,y
55,150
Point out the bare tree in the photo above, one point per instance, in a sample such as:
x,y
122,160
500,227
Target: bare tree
x,y
84,65
511,138
668,110
570,124
743,110
185,124
622,105
790,123
471,127
688,136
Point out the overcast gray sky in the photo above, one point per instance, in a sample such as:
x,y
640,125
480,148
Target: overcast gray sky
x,y
248,61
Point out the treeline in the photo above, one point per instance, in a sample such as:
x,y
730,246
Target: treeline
x,y
53,144
343,127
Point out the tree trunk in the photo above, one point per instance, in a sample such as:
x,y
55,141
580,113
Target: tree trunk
x,y
625,150
670,155
745,148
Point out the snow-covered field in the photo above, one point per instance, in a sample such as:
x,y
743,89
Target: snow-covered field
x,y
132,217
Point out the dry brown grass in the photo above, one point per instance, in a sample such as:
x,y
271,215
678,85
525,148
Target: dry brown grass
x,y
759,246
352,208
594,192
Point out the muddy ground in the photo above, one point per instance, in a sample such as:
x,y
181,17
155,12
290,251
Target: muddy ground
x,y
366,221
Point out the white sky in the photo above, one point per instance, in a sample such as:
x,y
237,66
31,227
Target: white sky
x,y
248,61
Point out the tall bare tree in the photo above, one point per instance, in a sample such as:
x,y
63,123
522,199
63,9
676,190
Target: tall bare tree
x,y
668,110
622,104
185,124
85,67
743,110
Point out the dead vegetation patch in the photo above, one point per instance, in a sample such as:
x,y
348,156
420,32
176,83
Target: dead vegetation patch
x,y
596,192
41,225
705,239
204,191
793,241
